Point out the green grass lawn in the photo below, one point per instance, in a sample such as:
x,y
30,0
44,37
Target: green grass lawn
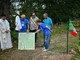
x,y
62,29
60,45
58,37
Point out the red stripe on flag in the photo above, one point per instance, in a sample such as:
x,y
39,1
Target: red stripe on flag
x,y
74,32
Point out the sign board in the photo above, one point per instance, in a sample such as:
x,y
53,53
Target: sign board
x,y
26,41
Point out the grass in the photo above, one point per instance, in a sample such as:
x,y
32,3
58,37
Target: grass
x,y
72,42
58,43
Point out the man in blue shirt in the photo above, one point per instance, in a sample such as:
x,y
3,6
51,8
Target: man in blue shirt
x,y
24,24
48,20
47,32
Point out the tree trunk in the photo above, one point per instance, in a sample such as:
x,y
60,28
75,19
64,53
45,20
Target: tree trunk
x,y
6,8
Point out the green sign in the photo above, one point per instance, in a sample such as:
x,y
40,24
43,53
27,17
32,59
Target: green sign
x,y
26,41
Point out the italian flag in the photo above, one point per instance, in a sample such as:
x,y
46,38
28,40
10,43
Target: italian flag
x,y
72,29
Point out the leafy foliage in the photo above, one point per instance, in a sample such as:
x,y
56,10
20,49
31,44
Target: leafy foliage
x,y
57,9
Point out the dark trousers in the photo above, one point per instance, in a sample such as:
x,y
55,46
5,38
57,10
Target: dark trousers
x,y
35,34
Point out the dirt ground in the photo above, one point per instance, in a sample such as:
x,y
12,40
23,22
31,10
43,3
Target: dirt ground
x,y
38,54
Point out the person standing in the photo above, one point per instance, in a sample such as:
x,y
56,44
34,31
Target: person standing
x,y
33,24
17,24
47,33
24,24
48,21
5,37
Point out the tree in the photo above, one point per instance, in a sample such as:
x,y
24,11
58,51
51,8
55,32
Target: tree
x,y
0,6
6,7
57,9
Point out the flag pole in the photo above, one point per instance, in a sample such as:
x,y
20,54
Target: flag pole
x,y
67,37
79,30
67,42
